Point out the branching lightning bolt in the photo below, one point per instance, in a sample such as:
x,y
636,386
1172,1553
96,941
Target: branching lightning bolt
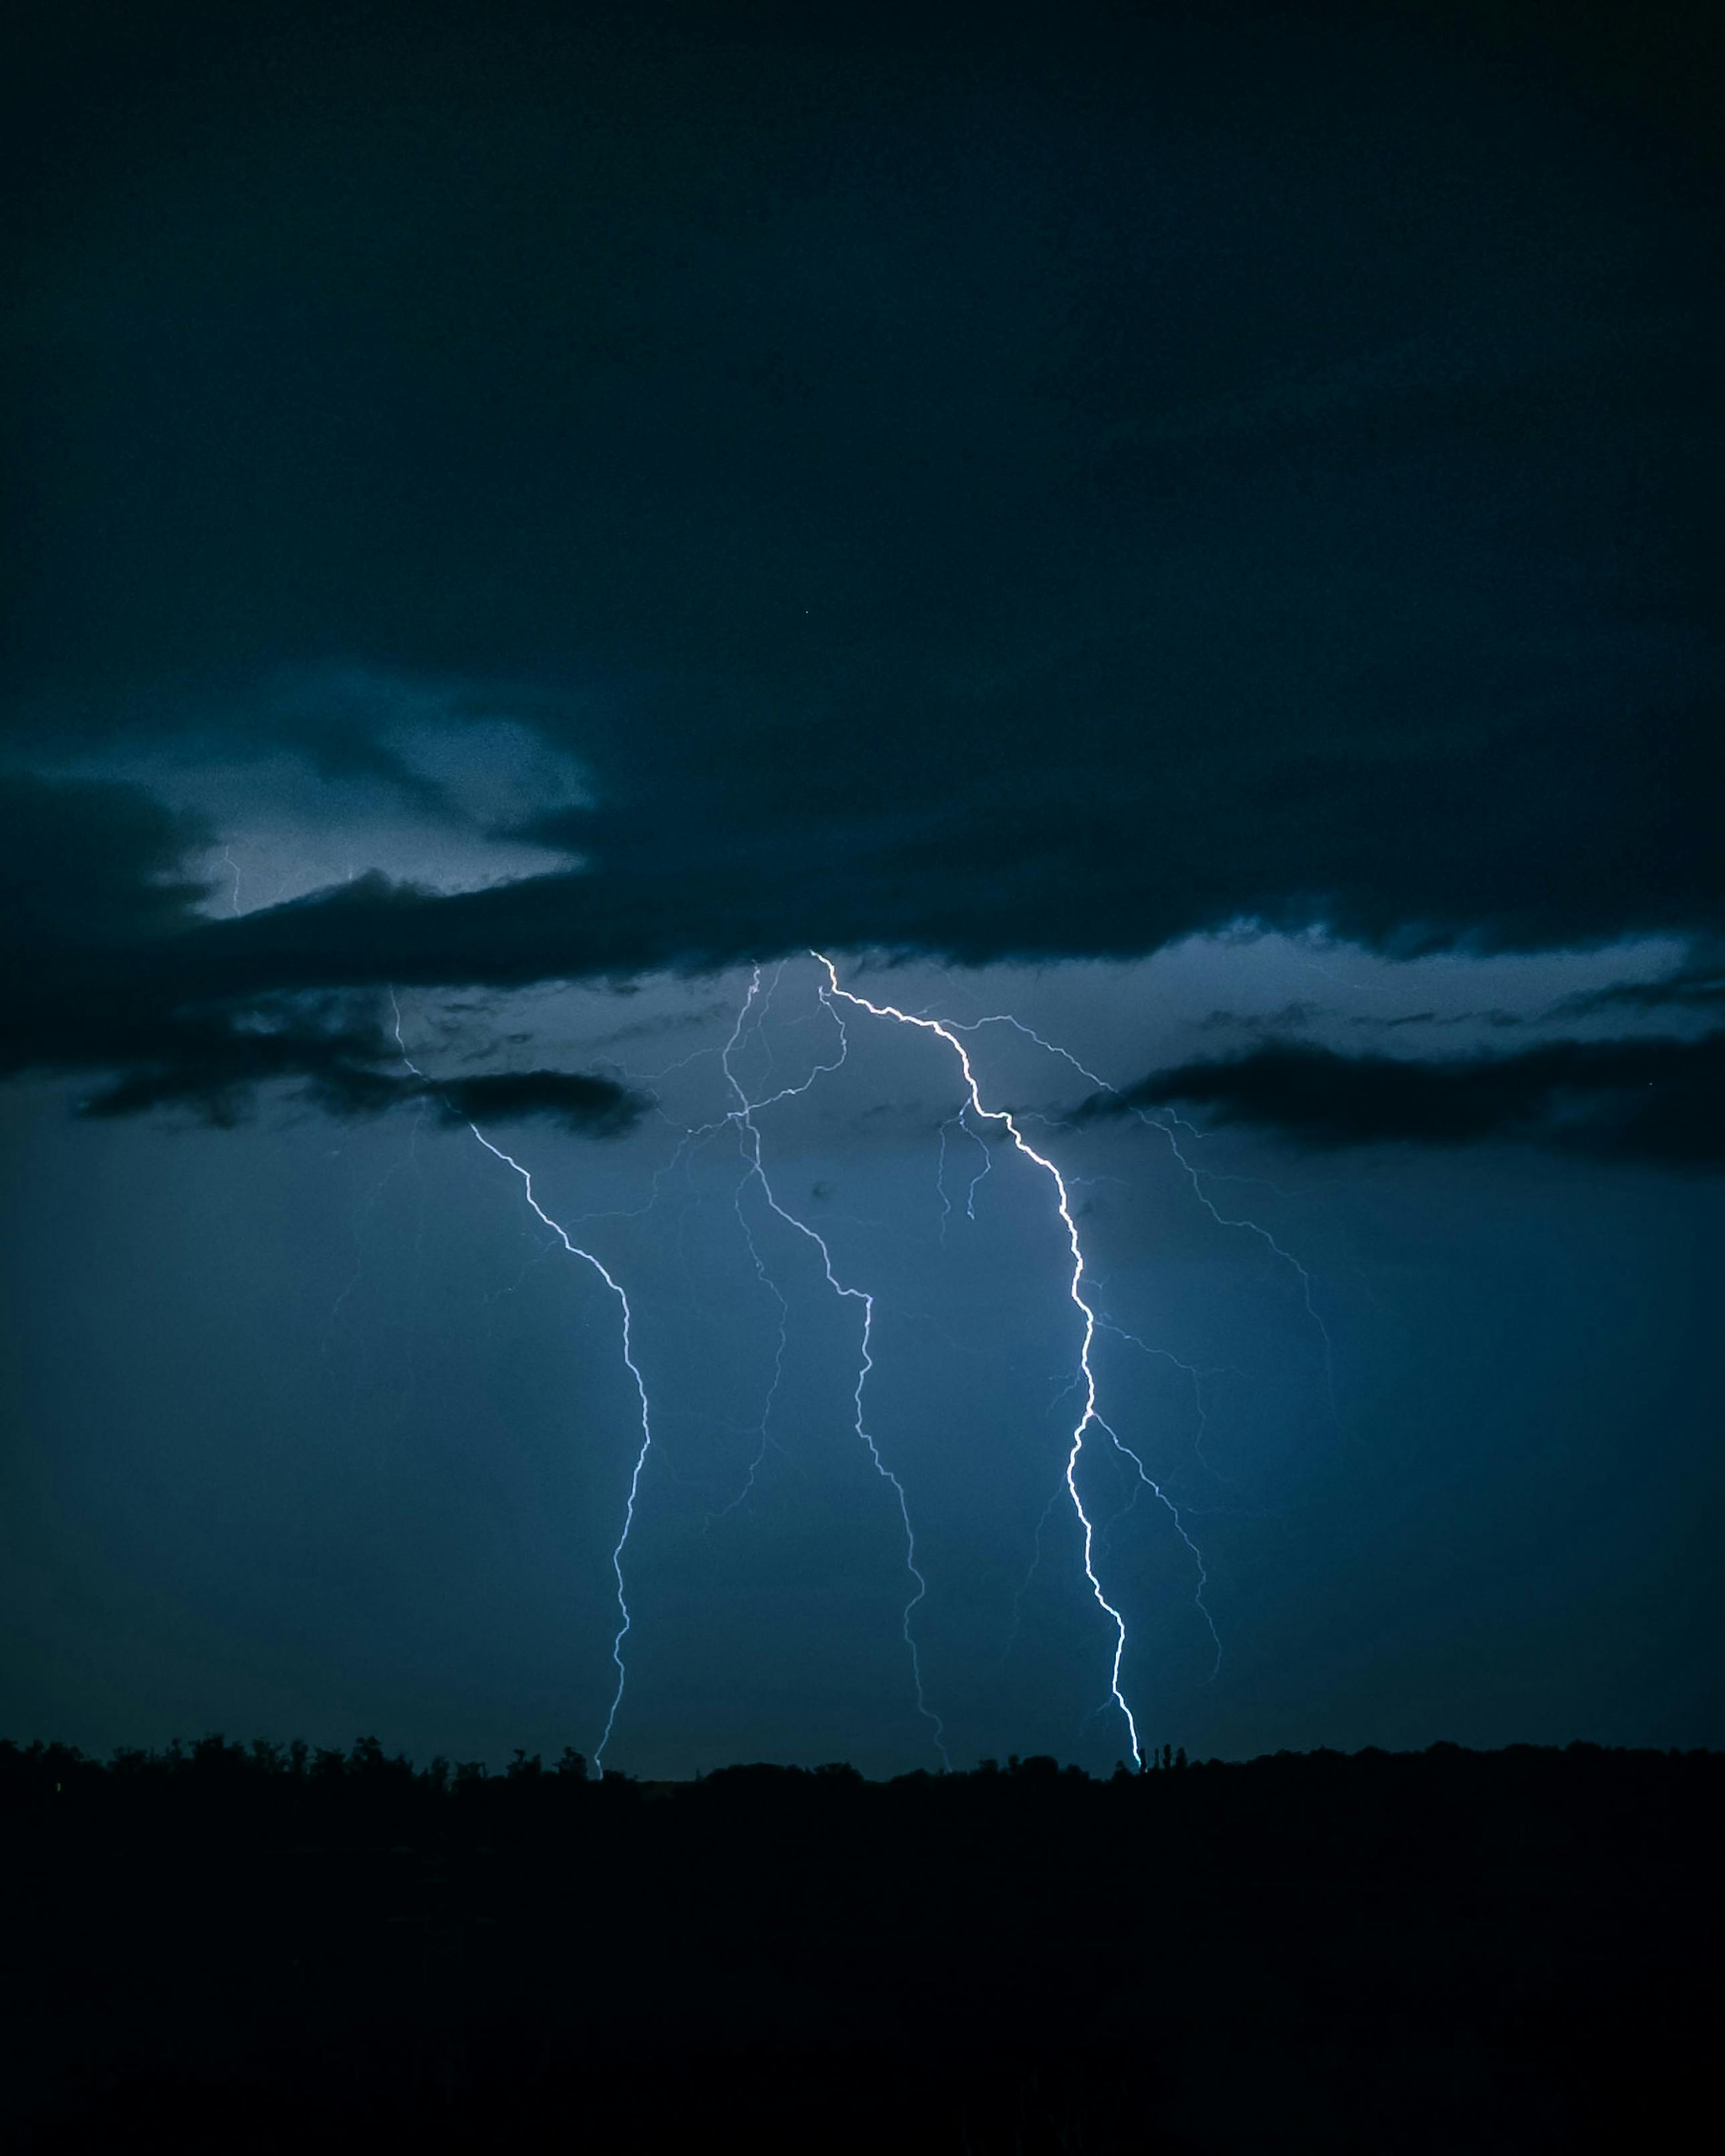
x,y
575,1250
759,1263
1090,1415
744,1115
940,1178
741,1115
763,1428
1023,1586
1195,1176
1148,1481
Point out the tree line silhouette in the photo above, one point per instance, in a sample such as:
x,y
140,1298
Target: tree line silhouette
x,y
217,1785
227,1942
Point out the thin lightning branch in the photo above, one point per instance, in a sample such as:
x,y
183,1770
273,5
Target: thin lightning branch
x,y
685,1140
575,1250
743,1128
765,1011
940,1176
1024,1587
1066,1387
654,1077
744,1115
362,1212
981,1144
1191,1370
1090,1415
763,1427
986,1169
496,1294
1149,1481
1105,1534
689,1139
767,1281
1196,1177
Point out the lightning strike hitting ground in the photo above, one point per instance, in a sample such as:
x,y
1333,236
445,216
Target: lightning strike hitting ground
x,y
744,1115
741,1117
1090,1415
575,1250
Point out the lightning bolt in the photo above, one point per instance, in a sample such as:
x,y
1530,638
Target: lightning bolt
x,y
1145,1480
1024,1587
743,1115
759,1263
763,1427
1148,1481
939,1175
1090,1417
1196,1177
1191,1371
576,1251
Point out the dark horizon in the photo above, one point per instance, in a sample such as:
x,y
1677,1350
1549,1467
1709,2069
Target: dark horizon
x,y
1505,1952
297,1757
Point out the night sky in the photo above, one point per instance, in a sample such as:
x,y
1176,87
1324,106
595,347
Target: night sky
x,y
1195,527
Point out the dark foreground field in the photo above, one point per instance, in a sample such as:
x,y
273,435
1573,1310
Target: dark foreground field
x,y
1447,1951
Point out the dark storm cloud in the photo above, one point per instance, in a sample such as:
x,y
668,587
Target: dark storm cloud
x,y
1699,987
98,975
1497,1018
1657,1101
215,1068
213,1064
1297,1016
1028,487
1292,1018
597,1106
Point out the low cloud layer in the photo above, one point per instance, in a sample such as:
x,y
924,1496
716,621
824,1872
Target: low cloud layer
x,y
103,973
111,968
1656,1100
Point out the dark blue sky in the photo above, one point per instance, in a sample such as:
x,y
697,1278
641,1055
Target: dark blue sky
x,y
1199,529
